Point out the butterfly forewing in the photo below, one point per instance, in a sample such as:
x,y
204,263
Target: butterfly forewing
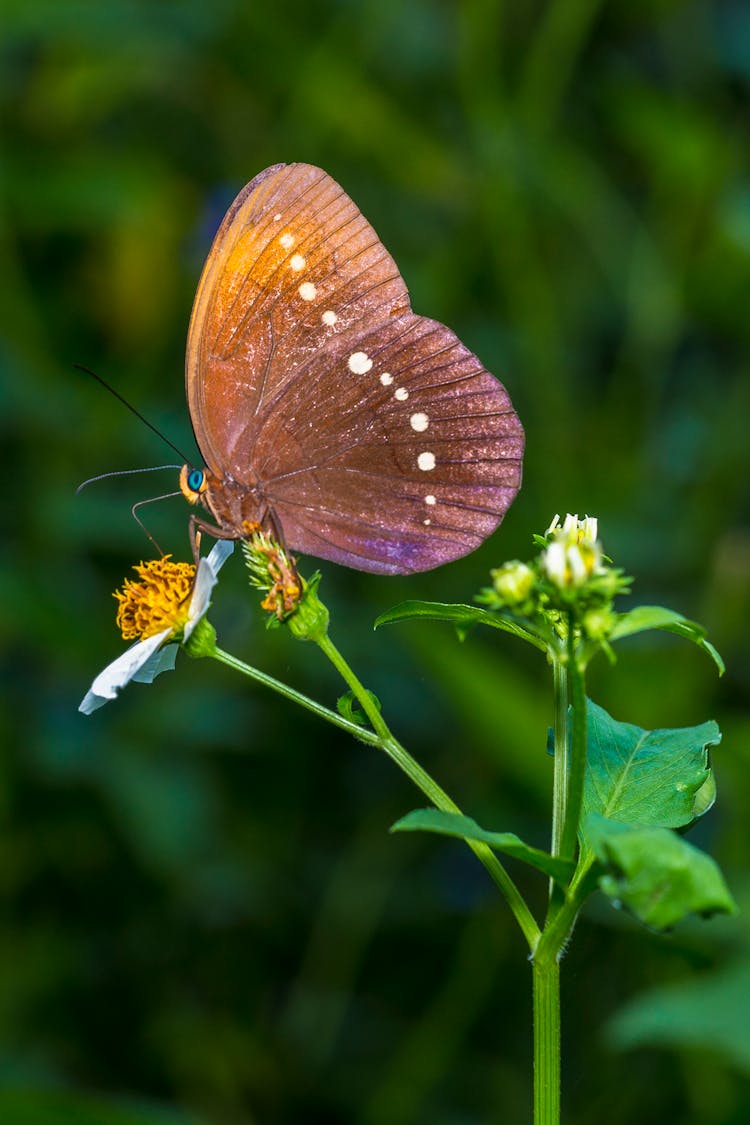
x,y
292,249
373,435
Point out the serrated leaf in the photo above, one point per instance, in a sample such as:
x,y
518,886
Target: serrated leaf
x,y
462,616
656,874
645,617
644,777
464,828
700,1012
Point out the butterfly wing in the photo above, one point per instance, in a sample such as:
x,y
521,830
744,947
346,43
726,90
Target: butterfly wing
x,y
377,438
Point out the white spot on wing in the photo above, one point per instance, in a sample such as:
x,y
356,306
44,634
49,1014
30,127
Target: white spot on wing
x,y
297,262
430,499
386,379
307,291
426,461
359,363
277,216
287,240
419,422
427,522
401,394
329,317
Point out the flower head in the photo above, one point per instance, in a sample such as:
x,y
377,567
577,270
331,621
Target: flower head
x,y
159,601
573,554
164,605
274,572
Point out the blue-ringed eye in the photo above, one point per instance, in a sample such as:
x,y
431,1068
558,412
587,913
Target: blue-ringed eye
x,y
195,480
193,483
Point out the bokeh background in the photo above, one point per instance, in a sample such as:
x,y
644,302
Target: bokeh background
x,y
202,916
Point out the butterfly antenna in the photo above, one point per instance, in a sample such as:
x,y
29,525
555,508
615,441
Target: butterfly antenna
x,y
132,409
124,473
139,521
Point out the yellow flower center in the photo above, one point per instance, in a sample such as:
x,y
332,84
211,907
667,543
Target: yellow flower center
x,y
158,600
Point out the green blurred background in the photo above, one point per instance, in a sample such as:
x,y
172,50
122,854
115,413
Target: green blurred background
x,y
203,919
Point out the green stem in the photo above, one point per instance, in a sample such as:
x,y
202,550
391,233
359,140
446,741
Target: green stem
x,y
577,767
364,734
398,754
546,977
562,753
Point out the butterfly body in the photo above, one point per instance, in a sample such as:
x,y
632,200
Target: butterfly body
x,y
326,410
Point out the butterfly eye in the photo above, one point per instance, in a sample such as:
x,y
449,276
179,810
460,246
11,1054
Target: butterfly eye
x,y
192,483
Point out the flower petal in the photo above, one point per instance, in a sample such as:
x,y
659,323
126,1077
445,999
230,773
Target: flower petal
x,y
120,672
161,661
205,580
219,553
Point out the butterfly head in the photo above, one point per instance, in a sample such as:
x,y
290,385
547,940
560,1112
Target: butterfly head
x,y
193,483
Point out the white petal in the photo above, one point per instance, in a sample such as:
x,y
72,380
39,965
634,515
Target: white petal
x,y
570,527
577,566
121,671
219,554
161,661
205,580
590,528
553,561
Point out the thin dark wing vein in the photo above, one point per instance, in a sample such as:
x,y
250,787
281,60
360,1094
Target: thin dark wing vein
x,y
309,468
300,199
341,265
393,412
441,383
339,269
412,498
371,525
283,291
267,368
433,441
272,404
423,359
349,550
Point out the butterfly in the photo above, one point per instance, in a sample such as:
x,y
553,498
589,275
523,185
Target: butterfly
x,y
326,411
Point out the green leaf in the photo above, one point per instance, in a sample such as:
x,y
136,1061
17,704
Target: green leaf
x,y
348,706
464,828
644,777
700,1012
462,616
656,874
645,617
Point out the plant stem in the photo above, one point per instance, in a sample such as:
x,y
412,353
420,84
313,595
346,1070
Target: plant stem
x,y
577,767
546,976
364,734
403,759
562,753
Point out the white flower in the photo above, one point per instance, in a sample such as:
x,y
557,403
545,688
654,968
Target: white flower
x,y
574,553
151,655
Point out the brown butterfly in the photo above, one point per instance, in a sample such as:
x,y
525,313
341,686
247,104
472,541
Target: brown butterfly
x,y
325,409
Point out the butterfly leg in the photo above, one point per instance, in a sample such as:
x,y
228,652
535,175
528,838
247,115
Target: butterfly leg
x,y
198,525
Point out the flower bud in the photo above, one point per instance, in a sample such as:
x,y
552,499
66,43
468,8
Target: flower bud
x,y
598,623
513,582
